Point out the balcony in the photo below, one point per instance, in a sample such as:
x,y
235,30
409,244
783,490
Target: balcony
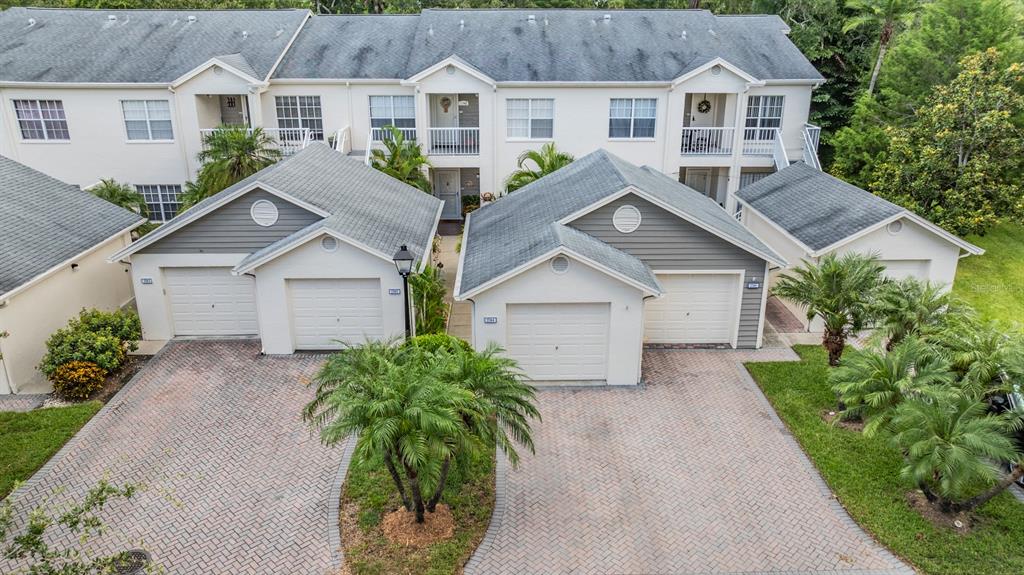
x,y
453,141
384,134
707,141
287,140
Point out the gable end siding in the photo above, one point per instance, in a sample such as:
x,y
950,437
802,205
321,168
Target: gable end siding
x,y
231,230
665,241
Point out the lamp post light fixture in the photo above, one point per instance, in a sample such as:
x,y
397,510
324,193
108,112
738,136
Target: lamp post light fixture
x,y
403,261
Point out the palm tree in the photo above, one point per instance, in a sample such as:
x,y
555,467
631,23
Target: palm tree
x,y
886,15
548,160
909,307
872,383
839,290
121,195
952,446
430,308
230,154
402,159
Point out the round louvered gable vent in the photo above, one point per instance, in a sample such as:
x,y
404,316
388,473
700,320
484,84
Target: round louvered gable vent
x,y
329,243
895,227
560,264
626,219
264,213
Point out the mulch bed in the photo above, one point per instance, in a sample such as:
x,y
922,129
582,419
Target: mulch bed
x,y
113,383
961,522
833,418
400,527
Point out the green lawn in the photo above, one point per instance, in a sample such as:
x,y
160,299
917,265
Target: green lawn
x,y
28,440
864,474
994,283
469,493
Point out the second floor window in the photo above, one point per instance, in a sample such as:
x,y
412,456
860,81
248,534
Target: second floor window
x,y
297,112
764,115
632,117
161,199
397,111
147,119
532,119
41,119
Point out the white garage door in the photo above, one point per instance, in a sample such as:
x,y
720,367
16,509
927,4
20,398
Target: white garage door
x,y
899,269
328,311
210,301
560,342
696,308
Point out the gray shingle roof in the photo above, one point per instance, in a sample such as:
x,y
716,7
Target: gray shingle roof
x,y
141,46
560,45
523,225
814,207
45,221
363,204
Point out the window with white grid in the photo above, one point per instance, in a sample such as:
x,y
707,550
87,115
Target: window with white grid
x,y
397,111
530,118
764,115
297,112
147,119
632,117
162,199
41,119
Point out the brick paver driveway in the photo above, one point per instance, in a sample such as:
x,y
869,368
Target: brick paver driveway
x,y
234,482
692,474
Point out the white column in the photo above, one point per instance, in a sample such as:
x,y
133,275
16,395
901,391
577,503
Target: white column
x,y
255,108
737,153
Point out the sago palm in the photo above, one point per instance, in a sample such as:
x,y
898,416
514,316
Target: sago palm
x,y
888,16
909,307
951,447
984,357
839,290
872,383
230,154
547,160
402,159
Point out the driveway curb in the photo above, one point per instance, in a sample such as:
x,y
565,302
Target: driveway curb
x,y
501,466
334,505
900,568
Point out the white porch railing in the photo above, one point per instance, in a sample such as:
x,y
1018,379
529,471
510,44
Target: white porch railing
x,y
707,141
779,155
287,140
759,141
382,134
454,141
812,135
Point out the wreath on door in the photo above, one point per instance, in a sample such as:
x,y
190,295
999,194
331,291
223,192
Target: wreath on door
x,y
446,103
704,106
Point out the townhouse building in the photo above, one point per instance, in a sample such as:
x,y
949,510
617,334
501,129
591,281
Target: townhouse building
x,y
715,101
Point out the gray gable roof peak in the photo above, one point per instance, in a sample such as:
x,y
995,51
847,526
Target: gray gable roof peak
x,y
814,207
45,222
526,224
555,46
138,46
357,202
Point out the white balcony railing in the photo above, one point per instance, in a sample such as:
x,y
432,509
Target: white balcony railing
x,y
287,140
812,135
779,155
454,141
383,134
759,141
707,141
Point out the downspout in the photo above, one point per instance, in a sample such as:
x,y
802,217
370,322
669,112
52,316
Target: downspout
x,y
643,309
3,363
494,142
181,135
351,117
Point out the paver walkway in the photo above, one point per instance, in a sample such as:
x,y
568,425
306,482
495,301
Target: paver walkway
x,y
691,474
235,483
460,322
21,402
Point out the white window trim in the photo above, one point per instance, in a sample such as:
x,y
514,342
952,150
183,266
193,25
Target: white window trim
x,y
160,191
300,118
46,139
760,118
529,121
632,122
149,126
392,117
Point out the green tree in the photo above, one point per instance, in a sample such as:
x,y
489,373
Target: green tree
x,y
121,195
888,17
871,383
402,159
230,154
547,160
952,446
430,308
838,290
985,358
862,146
959,164
909,307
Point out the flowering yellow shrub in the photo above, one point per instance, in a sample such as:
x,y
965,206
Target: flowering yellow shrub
x,y
77,379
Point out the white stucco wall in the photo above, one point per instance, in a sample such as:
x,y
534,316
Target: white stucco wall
x,y
154,311
580,284
31,316
311,261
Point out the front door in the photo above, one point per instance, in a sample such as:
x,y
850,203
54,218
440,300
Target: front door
x,y
446,187
700,180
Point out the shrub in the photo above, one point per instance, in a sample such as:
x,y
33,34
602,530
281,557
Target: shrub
x,y
470,202
434,341
124,325
75,344
77,380
428,293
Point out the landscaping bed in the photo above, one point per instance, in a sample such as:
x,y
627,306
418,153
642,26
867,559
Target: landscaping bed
x,y
992,283
369,497
865,476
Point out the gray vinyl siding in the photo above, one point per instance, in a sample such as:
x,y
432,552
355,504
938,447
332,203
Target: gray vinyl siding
x,y
666,242
231,230
469,116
